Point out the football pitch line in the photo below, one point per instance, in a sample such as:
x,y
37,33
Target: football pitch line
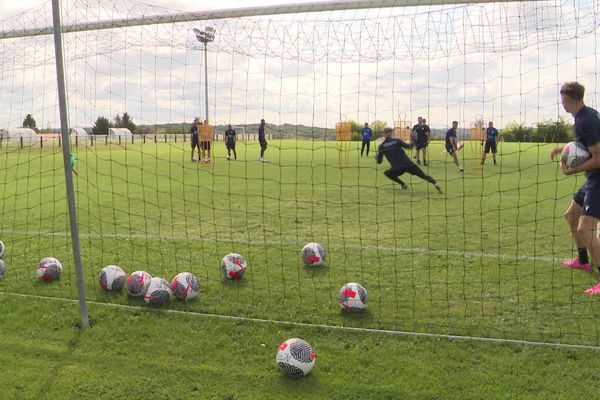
x,y
321,326
293,242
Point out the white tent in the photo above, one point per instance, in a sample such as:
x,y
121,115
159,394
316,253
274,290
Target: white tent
x,y
15,134
79,132
115,132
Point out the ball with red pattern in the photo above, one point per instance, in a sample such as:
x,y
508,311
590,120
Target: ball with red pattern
x,y
112,278
185,286
233,266
159,292
313,254
138,282
353,297
2,248
49,269
295,358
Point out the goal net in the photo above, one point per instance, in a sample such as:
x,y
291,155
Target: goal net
x,y
482,260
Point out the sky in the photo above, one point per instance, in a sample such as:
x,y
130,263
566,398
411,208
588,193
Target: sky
x,y
299,70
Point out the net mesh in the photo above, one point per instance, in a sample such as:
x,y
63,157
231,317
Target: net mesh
x,y
481,260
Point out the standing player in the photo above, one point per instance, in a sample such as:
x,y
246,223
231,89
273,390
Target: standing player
x,y
205,147
262,140
420,140
452,144
366,139
584,212
491,141
393,150
194,138
230,135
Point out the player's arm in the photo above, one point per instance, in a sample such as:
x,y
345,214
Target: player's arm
x,y
453,142
379,156
592,163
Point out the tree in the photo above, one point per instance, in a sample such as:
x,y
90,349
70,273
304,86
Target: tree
x,y
29,122
517,132
127,122
118,121
553,132
377,127
101,126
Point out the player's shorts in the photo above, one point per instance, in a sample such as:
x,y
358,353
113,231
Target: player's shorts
x,y
450,149
263,145
490,146
420,145
412,169
230,145
588,197
205,145
194,141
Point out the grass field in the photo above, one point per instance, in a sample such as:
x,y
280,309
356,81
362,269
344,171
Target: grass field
x,y
481,260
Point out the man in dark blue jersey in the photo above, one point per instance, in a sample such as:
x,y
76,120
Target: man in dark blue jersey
x,y
584,212
393,150
262,140
230,135
366,139
194,138
452,144
419,137
491,142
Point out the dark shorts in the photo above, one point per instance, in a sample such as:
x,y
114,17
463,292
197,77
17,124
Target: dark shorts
x,y
230,145
490,146
263,145
588,197
399,170
205,145
194,141
450,149
420,145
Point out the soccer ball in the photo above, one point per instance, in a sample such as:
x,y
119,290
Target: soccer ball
x,y
159,293
2,248
313,254
2,269
138,282
49,269
574,154
185,286
295,357
353,297
233,266
112,278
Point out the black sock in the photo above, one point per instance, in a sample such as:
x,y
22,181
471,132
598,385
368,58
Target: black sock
x,y
583,255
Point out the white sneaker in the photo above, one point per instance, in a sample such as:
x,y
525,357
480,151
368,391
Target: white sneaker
x,y
229,157
461,169
261,159
193,159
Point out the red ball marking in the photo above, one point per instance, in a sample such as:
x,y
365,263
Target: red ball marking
x,y
283,346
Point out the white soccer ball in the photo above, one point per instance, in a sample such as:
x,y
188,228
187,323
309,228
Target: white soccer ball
x,y
185,286
353,297
49,269
295,357
138,282
2,248
159,293
2,269
313,254
112,278
574,154
233,266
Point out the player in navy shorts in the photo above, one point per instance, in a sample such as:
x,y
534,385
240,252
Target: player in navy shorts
x,y
194,138
452,144
584,212
393,150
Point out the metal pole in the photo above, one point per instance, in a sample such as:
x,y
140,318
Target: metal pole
x,y
64,126
206,77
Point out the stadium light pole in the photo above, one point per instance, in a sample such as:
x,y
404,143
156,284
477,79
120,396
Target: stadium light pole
x,y
205,36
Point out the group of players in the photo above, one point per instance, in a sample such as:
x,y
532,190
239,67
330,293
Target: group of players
x,y
393,150
230,138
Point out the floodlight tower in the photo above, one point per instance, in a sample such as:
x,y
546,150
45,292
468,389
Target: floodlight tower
x,y
205,36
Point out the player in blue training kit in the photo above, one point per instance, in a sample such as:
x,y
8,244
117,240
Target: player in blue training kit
x,y
452,144
366,139
584,212
393,150
230,142
491,142
194,138
421,139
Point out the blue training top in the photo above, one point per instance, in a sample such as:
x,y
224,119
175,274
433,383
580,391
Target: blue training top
x,y
587,132
366,133
491,134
